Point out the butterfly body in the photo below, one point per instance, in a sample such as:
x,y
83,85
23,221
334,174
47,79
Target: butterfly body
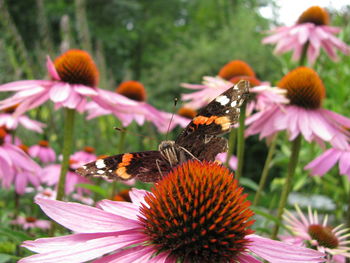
x,y
199,140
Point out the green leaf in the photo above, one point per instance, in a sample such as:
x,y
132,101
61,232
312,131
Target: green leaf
x,y
5,258
249,183
95,188
14,235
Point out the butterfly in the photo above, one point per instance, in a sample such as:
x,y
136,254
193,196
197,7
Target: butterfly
x,y
199,140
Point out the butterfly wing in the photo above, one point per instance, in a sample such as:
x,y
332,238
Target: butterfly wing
x,y
200,137
148,166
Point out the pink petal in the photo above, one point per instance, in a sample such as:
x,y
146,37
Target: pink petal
x,y
138,254
24,84
31,124
85,90
21,183
279,252
82,218
51,69
246,258
60,92
324,162
125,209
75,248
344,163
137,196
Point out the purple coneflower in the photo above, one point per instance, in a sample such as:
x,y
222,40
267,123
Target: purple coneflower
x,y
197,213
74,78
310,33
309,232
232,73
43,152
134,93
10,122
16,167
31,222
51,173
304,114
86,155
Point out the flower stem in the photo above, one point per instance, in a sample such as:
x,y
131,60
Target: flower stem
x,y
266,169
304,54
120,150
293,161
231,145
67,148
240,140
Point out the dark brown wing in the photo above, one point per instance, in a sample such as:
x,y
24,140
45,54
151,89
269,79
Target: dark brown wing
x,y
147,166
200,135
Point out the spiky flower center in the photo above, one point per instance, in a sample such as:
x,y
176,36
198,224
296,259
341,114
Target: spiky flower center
x,y
77,67
304,88
236,68
315,15
44,143
187,112
133,90
323,235
89,149
252,80
30,219
198,213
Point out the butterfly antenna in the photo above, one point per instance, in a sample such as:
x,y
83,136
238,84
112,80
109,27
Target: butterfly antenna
x,y
171,119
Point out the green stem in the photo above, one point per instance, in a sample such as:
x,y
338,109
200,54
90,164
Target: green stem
x,y
302,59
120,150
231,145
67,149
293,161
266,169
240,140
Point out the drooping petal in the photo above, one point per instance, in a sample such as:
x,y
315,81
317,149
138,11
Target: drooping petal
x,y
82,218
323,163
51,69
137,196
125,209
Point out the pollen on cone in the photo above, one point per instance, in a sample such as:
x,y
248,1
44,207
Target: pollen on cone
x,y
133,90
198,213
10,109
304,88
236,68
187,112
315,15
24,148
77,67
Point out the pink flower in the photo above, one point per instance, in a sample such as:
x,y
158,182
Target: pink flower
x,y
43,152
31,222
304,114
233,162
85,156
74,79
46,193
128,104
165,226
51,173
16,167
308,231
312,31
323,163
10,122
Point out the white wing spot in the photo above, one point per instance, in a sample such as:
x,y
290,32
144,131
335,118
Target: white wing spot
x,y
100,171
227,111
233,103
100,164
110,171
84,167
223,100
